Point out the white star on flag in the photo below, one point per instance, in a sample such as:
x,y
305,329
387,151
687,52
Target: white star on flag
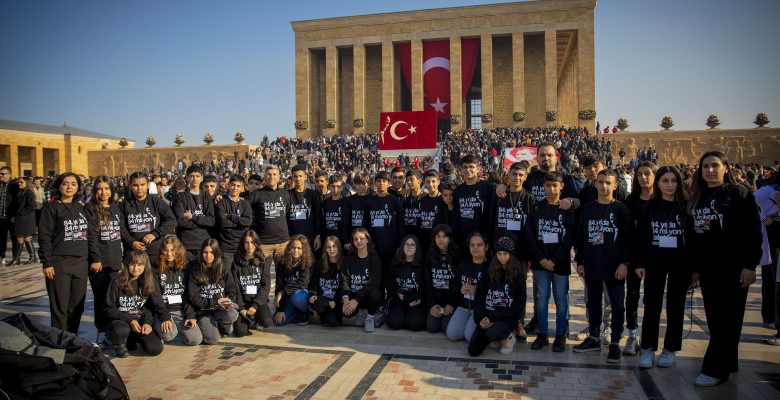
x,y
438,105
412,129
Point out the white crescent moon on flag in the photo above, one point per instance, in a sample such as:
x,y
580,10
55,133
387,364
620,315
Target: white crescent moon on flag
x,y
436,62
392,130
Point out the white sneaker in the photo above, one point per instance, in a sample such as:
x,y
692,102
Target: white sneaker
x,y
666,359
631,346
706,381
646,358
369,324
774,340
508,344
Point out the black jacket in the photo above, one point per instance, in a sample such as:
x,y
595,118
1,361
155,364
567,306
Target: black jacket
x,y
359,275
233,219
150,215
407,280
193,232
173,289
62,231
270,209
253,281
502,300
105,239
604,239
134,307
550,234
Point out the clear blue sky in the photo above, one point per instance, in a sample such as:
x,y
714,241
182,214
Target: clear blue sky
x,y
142,67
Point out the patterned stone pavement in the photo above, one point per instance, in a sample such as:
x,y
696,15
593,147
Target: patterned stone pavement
x,y
294,362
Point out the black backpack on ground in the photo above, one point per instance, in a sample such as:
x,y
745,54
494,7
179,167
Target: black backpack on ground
x,y
86,372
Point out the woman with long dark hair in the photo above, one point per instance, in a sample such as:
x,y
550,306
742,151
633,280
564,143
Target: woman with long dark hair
x,y
662,258
105,245
360,280
172,273
212,293
725,219
23,219
440,279
325,283
252,274
62,241
406,287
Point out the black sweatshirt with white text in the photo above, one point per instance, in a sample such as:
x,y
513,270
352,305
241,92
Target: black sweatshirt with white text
x,y
468,273
193,232
360,275
386,222
62,232
407,280
134,306
604,239
233,219
325,284
304,215
440,279
142,217
253,280
105,238
270,209
471,209
550,234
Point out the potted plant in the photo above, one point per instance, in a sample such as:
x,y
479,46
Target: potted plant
x,y
151,141
551,115
518,116
622,124
358,123
761,120
667,122
239,137
713,121
208,138
331,123
123,142
179,140
587,114
455,119
301,125
487,118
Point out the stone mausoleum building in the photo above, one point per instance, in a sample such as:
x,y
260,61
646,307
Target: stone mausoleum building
x,y
510,64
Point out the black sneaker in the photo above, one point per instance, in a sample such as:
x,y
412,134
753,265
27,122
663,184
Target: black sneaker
x,y
121,350
614,353
539,343
559,345
532,326
589,344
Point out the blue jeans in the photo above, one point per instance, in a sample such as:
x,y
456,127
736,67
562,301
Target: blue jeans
x,y
560,291
296,303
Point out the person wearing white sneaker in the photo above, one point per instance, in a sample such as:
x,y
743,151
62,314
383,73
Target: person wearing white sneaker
x,y
499,300
360,279
646,358
726,240
662,259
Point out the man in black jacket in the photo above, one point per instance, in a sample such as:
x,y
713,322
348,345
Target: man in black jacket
x,y
194,211
147,218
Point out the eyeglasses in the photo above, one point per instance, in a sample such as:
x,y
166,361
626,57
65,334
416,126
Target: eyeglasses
x,y
410,245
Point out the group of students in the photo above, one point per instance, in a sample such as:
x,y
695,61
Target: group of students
x,y
201,268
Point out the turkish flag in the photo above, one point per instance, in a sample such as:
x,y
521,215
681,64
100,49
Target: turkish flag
x,y
406,130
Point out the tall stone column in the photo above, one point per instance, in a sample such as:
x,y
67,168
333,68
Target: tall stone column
x,y
38,167
359,74
388,65
486,45
417,75
586,97
550,74
302,91
331,88
518,75
456,82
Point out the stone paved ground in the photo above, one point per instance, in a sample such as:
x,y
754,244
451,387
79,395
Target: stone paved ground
x,y
314,362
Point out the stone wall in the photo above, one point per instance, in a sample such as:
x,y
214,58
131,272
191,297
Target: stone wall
x,y
126,161
752,145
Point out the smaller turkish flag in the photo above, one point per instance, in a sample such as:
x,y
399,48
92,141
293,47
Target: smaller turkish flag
x,y
406,130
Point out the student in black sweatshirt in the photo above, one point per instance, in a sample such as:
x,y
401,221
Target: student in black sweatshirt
x,y
642,191
212,293
355,208
432,209
602,260
469,273
360,279
147,218
172,272
472,200
510,213
270,208
233,218
292,282
304,216
727,238
194,211
132,302
325,283
386,220
332,210
549,235
406,287
547,157
105,246
252,274
661,242
440,279
499,301
411,202
63,250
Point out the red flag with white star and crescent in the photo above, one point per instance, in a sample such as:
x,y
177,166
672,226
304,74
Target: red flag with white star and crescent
x,y
407,130
436,77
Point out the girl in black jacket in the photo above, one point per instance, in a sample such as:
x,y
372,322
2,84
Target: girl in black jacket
x,y
252,274
105,245
147,218
500,300
325,284
727,239
62,240
172,272
406,287
212,293
132,302
440,279
292,282
360,279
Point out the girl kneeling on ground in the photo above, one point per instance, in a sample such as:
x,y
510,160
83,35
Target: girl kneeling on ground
x,y
325,286
252,274
212,294
406,287
360,277
292,282
470,272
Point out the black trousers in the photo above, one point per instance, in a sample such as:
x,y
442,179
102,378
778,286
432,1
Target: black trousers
x,y
262,317
633,284
724,305
117,331
99,281
67,292
768,280
481,338
616,291
402,316
6,230
371,303
328,316
676,289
